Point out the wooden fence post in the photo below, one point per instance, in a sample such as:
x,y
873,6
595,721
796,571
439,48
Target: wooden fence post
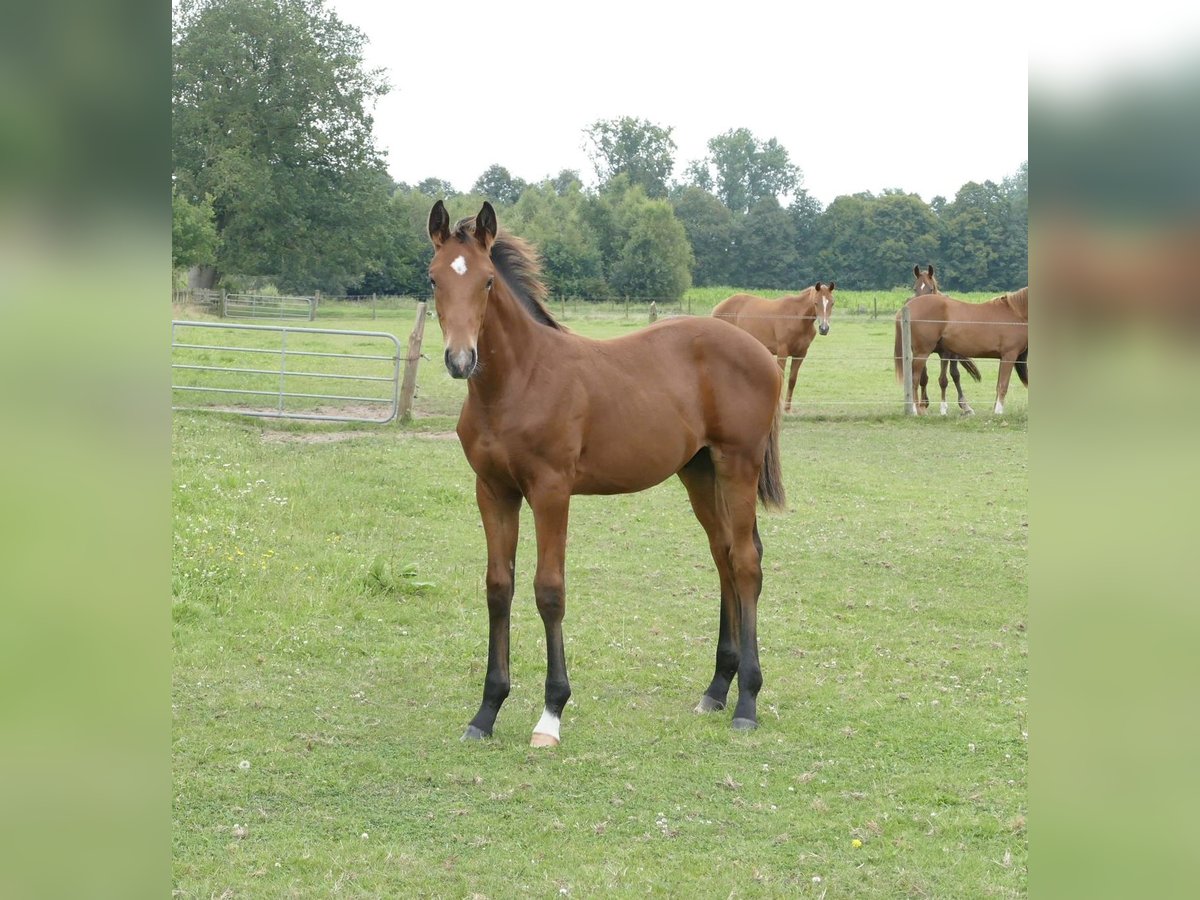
x,y
653,311
409,388
221,311
910,407
372,306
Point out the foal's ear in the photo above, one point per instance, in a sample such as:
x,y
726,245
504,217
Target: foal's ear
x,y
439,224
930,270
817,287
832,285
917,270
485,226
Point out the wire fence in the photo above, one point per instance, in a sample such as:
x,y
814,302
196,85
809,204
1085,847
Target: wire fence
x,y
852,371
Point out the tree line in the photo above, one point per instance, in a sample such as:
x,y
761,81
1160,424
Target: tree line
x,y
276,176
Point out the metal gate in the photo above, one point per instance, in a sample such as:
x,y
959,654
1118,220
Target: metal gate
x,y
221,367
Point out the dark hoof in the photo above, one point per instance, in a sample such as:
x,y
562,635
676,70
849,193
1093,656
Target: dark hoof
x,y
707,704
473,734
744,724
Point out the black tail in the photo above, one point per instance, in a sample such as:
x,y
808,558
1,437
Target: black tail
x,y
770,477
1022,367
972,369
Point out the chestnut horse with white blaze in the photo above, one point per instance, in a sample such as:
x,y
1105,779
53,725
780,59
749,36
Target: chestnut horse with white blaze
x,y
926,283
786,326
995,329
549,414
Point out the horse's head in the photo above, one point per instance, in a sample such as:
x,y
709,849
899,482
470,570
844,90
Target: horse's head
x,y
824,304
925,282
461,275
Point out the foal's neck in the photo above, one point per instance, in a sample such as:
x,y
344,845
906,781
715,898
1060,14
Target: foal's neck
x,y
511,346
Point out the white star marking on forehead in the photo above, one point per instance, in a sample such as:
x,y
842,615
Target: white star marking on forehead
x,y
459,265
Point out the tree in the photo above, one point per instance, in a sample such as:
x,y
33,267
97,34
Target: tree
x,y
633,147
270,116
499,186
767,257
805,212
873,242
712,232
985,237
553,222
746,170
437,189
193,232
654,259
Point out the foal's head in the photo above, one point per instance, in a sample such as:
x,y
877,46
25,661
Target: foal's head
x,y
925,282
461,275
824,301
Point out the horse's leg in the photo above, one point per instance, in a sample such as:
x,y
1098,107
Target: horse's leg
x,y
1006,367
962,397
500,510
797,361
737,480
699,478
921,377
944,382
550,513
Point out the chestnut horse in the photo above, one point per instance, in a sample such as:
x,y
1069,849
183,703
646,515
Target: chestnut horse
x,y
926,283
549,414
995,329
785,326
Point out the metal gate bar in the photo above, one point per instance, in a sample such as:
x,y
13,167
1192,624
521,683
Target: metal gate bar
x,y
283,353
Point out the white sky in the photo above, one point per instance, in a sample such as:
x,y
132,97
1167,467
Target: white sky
x,y
922,96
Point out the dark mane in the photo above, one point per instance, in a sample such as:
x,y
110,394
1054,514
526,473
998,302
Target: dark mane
x,y
518,263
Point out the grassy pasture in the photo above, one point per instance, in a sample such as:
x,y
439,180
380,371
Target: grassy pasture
x,y
330,632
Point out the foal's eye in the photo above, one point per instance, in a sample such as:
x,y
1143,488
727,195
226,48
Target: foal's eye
x,y
432,282
489,284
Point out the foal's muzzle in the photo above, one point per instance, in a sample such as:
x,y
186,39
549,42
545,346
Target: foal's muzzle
x,y
461,363
823,328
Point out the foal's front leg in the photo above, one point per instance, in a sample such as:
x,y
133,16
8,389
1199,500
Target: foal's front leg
x,y
550,513
500,510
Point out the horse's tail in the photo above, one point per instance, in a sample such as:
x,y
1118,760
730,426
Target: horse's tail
x,y
770,477
1022,367
972,369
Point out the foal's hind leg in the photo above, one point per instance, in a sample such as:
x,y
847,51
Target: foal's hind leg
x,y
943,382
737,482
699,477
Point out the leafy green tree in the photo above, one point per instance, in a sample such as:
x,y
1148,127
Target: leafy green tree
x,y
403,263
767,255
873,242
712,232
499,186
566,181
193,232
745,170
985,236
636,148
554,223
270,116
656,259
437,188
805,212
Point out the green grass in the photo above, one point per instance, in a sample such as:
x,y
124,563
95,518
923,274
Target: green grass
x,y
330,634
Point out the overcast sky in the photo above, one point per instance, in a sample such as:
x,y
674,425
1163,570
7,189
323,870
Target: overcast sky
x,y
920,96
